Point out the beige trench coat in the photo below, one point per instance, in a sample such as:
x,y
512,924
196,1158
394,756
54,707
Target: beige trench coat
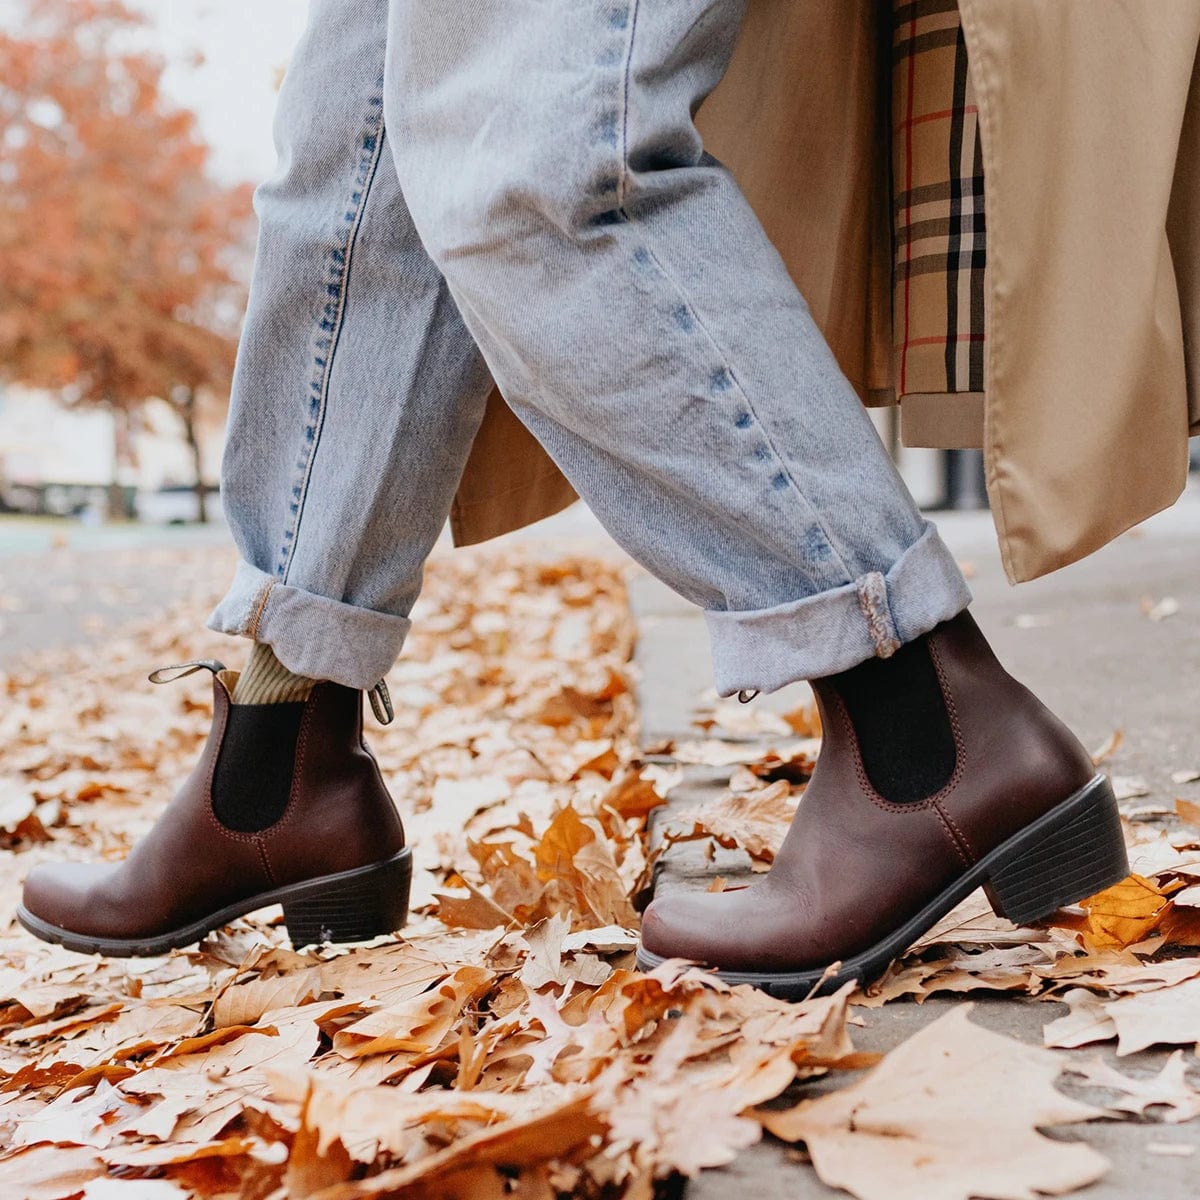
x,y
1089,126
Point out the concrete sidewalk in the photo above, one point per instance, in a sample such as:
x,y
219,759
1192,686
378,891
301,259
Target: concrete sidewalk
x,y
1083,641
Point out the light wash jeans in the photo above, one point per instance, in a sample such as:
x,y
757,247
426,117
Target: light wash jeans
x,y
515,190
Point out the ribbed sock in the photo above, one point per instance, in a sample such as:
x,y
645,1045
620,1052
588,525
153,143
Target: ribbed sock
x,y
267,681
899,713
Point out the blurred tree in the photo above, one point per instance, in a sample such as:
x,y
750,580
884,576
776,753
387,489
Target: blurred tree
x,y
120,256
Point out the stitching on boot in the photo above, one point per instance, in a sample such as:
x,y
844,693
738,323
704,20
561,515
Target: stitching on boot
x,y
266,862
966,860
960,746
872,599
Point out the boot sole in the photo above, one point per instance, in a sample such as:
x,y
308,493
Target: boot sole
x,y
350,906
1075,850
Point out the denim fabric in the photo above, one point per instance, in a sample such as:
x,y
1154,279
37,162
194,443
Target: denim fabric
x,y
536,170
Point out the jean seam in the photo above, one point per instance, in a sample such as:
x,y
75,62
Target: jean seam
x,y
331,324
622,195
623,149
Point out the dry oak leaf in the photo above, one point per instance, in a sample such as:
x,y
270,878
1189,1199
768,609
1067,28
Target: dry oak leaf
x,y
951,1114
80,1118
483,1165
578,863
511,879
974,923
604,762
1180,925
565,837
1169,1087
135,1189
1188,811
752,821
245,1003
665,1125
367,1120
1000,968
469,908
715,752
570,705
1167,1016
418,1024
1087,1021
48,1172
633,795
544,963
1126,913
689,1072
1118,971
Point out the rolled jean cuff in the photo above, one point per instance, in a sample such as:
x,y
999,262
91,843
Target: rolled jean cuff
x,y
764,649
310,634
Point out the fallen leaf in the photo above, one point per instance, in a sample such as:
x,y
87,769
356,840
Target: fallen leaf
x,y
244,1003
633,795
48,1172
415,1025
1111,744
1168,1088
469,908
752,821
135,1189
1129,787
1167,1016
1125,913
1087,1021
972,1132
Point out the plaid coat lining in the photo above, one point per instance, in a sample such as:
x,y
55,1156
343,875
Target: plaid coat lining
x,y
938,207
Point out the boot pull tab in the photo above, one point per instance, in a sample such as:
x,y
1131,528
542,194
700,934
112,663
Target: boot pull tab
x,y
746,695
182,670
381,703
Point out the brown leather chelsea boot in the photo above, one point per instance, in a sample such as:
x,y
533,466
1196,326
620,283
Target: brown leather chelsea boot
x,y
286,806
1018,810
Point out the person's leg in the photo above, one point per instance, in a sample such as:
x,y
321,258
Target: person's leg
x,y
358,389
659,349
637,319
357,394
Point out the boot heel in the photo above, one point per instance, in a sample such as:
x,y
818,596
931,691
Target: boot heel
x,y
354,906
1074,851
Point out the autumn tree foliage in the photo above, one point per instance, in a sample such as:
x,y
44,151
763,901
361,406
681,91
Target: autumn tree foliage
x,y
120,255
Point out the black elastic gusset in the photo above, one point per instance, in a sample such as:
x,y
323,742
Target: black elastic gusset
x,y
899,714
253,777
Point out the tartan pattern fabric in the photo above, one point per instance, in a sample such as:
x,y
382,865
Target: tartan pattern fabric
x,y
938,203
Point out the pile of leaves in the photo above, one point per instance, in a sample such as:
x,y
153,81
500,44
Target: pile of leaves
x,y
503,1044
